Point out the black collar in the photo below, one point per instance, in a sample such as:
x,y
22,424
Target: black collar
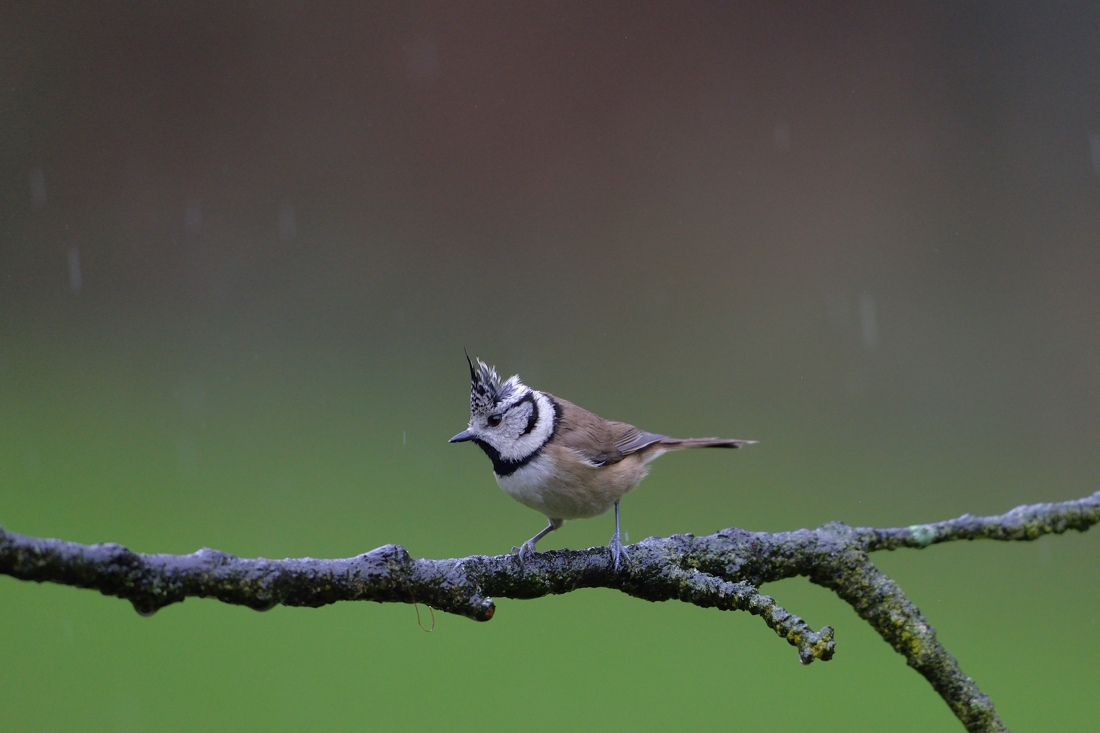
x,y
504,468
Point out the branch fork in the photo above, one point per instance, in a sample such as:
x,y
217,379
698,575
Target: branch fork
x,y
724,570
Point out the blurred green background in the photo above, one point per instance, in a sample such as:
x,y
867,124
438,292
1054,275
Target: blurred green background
x,y
244,245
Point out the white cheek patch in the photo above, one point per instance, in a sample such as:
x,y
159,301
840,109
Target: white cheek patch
x,y
515,449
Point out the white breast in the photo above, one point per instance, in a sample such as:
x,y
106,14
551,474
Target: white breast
x,y
529,485
561,485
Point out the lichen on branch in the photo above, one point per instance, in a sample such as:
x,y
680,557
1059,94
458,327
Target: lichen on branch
x,y
724,570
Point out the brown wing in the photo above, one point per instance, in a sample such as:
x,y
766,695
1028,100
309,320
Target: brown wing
x,y
601,442
606,442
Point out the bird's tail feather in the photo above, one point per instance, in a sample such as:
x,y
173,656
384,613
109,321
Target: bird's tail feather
x,y
680,443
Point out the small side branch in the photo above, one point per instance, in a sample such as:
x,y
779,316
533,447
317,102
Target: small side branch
x,y
723,570
879,601
708,591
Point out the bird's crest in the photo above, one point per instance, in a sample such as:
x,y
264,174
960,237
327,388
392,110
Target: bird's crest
x,y
487,391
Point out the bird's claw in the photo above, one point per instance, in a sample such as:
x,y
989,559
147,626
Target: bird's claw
x,y
618,552
525,551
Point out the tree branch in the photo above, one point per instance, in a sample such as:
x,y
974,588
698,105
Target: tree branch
x,y
723,570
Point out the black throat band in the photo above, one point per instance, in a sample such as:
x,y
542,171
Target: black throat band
x,y
504,468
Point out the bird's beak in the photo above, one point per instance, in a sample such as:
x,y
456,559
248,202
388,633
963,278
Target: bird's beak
x,y
462,437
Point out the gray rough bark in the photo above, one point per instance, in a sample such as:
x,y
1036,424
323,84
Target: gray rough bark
x,y
723,570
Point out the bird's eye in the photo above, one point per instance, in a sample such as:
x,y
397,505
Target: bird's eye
x,y
494,420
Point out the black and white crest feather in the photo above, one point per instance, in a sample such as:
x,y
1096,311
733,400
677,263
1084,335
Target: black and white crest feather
x,y
487,391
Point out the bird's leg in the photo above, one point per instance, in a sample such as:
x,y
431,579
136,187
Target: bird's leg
x,y
528,548
616,543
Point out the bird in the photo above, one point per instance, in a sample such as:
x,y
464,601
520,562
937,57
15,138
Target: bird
x,y
560,459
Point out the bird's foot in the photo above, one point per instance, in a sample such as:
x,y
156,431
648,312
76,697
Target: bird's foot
x,y
526,551
618,552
